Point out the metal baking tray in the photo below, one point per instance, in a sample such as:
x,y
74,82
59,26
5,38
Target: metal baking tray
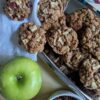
x,y
50,57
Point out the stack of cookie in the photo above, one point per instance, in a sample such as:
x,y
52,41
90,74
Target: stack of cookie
x,y
87,26
77,43
51,14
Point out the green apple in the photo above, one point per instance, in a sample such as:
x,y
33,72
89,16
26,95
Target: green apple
x,y
20,79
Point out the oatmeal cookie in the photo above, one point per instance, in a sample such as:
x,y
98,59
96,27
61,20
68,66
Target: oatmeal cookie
x,y
90,16
73,59
32,38
18,9
61,22
76,19
50,10
62,40
90,74
79,18
90,41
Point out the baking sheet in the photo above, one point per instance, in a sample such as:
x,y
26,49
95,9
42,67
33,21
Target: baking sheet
x,y
51,57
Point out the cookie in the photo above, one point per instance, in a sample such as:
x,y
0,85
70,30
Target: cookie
x,y
32,38
50,10
18,9
73,59
62,40
76,19
89,17
61,22
90,40
90,74
79,18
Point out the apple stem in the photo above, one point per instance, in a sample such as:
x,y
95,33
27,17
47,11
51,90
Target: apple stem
x,y
19,78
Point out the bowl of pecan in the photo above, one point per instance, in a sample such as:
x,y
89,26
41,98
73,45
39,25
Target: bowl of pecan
x,y
65,95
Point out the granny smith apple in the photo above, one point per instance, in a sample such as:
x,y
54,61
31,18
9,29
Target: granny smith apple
x,y
20,79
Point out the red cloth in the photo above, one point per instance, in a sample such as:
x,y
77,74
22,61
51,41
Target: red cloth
x,y
97,1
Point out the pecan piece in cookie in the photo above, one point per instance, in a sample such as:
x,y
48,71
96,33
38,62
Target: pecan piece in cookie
x,y
32,38
90,74
18,9
62,40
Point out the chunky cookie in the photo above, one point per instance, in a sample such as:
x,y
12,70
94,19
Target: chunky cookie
x,y
90,74
32,38
61,22
50,10
73,59
62,40
89,17
90,40
76,19
18,9
79,18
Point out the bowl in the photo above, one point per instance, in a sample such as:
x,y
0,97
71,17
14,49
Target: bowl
x,y
65,93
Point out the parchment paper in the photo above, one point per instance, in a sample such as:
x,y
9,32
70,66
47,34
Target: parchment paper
x,y
9,46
